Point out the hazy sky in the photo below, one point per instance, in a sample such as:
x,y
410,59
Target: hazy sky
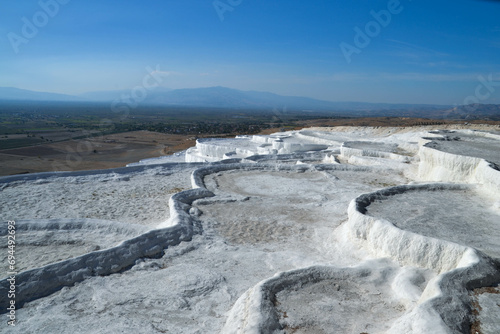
x,y
420,51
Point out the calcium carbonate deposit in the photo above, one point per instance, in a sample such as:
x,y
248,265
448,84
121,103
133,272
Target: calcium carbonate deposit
x,y
323,230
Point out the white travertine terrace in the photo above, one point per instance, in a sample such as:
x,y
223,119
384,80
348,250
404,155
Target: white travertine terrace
x,y
276,234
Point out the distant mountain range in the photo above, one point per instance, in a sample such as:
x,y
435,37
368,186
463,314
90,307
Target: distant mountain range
x,y
10,93
219,97
473,111
222,97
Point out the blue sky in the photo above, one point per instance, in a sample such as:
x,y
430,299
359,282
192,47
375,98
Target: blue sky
x,y
424,52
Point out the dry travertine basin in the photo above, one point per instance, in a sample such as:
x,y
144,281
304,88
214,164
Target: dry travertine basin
x,y
96,196
283,206
466,217
352,302
81,213
42,242
471,144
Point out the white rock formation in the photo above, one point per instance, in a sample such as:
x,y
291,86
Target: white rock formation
x,y
264,234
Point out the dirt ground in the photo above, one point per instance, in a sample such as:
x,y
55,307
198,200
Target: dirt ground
x,y
107,151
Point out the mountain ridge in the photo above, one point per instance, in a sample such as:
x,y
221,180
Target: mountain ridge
x,y
217,96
